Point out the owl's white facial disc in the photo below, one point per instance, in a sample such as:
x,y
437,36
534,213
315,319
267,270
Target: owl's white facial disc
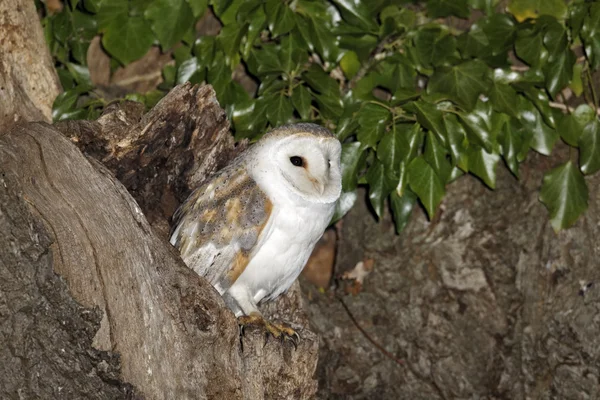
x,y
310,166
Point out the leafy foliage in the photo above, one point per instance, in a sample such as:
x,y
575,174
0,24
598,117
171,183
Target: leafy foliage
x,y
415,100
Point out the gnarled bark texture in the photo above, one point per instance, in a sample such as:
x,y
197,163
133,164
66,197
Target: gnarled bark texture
x,y
173,335
485,302
28,81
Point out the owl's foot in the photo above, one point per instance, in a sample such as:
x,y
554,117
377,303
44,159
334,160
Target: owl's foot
x,y
277,330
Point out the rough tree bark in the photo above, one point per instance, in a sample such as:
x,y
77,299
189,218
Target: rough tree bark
x,y
28,81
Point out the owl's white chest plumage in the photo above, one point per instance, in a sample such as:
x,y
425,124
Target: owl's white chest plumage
x,y
286,245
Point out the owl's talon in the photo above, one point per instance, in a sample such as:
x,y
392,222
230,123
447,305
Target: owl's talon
x,y
277,330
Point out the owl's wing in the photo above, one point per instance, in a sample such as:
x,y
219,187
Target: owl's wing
x,y
219,226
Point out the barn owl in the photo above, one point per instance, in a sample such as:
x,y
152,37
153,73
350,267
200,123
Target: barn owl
x,y
250,229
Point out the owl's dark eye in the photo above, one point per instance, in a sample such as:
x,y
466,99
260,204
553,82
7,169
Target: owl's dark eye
x,y
296,161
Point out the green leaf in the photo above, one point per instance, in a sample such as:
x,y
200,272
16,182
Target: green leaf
x,y
318,37
280,17
456,139
402,208
530,49
565,194
350,64
504,98
500,31
444,8
570,126
544,137
258,21
291,55
523,9
431,118
356,13
170,20
279,110
352,162
434,46
390,151
426,184
480,125
511,143
379,187
230,38
483,165
301,100
559,68
187,71
590,34
320,81
589,148
462,83
330,105
128,38
372,120
435,155
80,73
198,7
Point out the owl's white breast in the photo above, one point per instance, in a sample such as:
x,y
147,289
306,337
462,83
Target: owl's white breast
x,y
287,243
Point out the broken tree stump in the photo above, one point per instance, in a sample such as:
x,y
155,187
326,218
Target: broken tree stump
x,y
167,328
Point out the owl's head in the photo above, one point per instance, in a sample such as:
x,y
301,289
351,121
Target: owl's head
x,y
304,159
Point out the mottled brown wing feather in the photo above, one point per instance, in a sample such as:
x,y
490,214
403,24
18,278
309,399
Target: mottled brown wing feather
x,y
218,227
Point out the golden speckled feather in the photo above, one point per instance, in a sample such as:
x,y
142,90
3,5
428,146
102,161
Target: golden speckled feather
x,y
232,211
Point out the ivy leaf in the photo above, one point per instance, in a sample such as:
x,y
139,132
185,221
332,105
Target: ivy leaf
x,y
372,120
500,31
258,20
352,161
544,137
426,184
431,118
434,46
170,20
379,187
230,38
435,155
402,208
280,17
318,37
590,34
330,105
279,110
198,7
128,38
570,126
187,71
462,83
390,151
565,194
504,98
301,100
456,138
483,165
444,8
589,148
511,143
320,81
479,125
357,13
350,64
559,68
530,49
523,9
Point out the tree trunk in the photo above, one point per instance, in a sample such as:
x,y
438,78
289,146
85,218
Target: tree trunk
x,y
28,81
173,333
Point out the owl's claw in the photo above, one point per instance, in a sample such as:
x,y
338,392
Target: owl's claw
x,y
277,330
